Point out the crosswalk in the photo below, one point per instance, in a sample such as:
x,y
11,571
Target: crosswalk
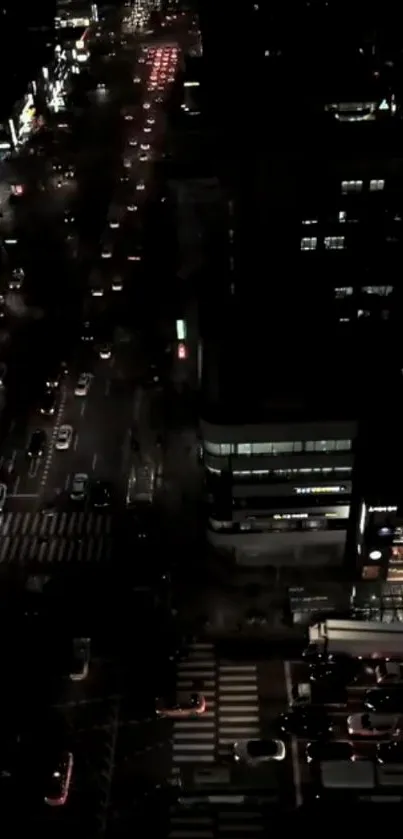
x,y
60,524
27,538
231,692
194,741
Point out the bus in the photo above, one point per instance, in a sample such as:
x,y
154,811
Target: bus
x,y
141,484
360,639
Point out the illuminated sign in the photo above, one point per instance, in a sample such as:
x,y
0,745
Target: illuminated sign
x,y
181,330
319,490
383,509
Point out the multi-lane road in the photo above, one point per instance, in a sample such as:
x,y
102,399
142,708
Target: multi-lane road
x,y
61,227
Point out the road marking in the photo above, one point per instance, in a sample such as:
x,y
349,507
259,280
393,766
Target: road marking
x,y
82,410
67,482
55,431
33,468
294,744
16,485
94,461
22,494
75,444
107,387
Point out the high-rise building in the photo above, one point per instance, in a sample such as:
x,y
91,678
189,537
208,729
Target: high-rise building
x,y
26,44
301,330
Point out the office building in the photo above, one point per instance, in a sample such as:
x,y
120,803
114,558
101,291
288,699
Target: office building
x,y
26,44
298,338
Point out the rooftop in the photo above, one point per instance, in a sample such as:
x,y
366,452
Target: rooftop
x,y
294,368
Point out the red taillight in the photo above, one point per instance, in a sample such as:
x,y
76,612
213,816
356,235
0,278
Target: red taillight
x,y
182,351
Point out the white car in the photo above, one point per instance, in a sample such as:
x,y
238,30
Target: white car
x,y
374,725
145,146
81,659
117,283
83,384
146,106
79,487
64,437
97,291
255,752
105,352
3,495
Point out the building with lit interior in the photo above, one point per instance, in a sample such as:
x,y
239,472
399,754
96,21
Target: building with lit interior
x,y
72,14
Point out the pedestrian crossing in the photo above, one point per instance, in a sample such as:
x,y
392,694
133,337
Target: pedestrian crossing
x,y
231,692
27,538
194,740
237,704
60,524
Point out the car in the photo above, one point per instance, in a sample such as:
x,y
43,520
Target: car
x,y
64,437
16,280
384,699
127,162
373,725
101,493
83,384
132,207
58,785
335,672
150,121
105,352
254,752
307,722
79,487
101,86
117,283
55,376
37,444
318,751
389,673
145,146
133,143
143,158
3,496
69,217
390,752
70,172
80,659
87,332
146,106
106,248
137,80
140,186
97,290
3,373
48,403
186,705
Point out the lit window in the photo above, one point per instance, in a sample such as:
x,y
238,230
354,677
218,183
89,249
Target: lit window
x,y
379,290
309,243
334,243
340,293
283,448
262,448
327,445
376,186
244,448
351,186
